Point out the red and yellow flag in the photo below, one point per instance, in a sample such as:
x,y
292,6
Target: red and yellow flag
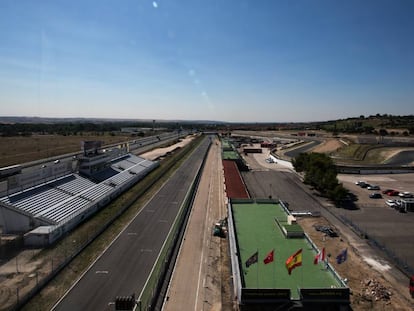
x,y
294,261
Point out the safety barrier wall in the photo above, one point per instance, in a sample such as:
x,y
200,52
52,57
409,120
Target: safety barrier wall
x,y
152,287
237,286
401,264
57,267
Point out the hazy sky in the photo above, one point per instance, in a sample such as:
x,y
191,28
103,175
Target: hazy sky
x,y
227,60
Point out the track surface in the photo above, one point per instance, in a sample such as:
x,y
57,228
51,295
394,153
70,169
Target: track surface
x,y
295,152
405,157
125,265
196,281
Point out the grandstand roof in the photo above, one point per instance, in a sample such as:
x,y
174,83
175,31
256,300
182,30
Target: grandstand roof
x,y
64,197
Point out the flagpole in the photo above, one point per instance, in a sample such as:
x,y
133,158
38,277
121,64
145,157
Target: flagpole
x,y
274,272
301,272
257,270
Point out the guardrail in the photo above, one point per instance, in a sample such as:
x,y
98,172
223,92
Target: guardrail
x,y
152,287
69,255
401,264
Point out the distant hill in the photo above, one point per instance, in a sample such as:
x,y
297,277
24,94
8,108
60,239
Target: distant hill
x,y
43,120
382,125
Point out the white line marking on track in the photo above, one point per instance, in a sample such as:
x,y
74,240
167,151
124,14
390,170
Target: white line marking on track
x,y
146,250
101,272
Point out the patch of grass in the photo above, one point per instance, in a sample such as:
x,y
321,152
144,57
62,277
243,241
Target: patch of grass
x,y
348,152
363,154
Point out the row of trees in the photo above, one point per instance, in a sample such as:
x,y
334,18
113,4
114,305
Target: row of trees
x,y
320,172
76,128
378,125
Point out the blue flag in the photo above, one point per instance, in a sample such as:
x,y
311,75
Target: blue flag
x,y
253,259
342,256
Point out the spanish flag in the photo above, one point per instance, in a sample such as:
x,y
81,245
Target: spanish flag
x,y
294,261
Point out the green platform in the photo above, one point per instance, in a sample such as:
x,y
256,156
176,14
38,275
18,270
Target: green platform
x,y
257,230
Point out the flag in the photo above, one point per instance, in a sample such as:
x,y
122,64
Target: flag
x,y
252,259
342,256
294,261
320,257
269,258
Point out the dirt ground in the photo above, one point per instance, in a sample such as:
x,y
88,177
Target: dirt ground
x,y
17,150
329,145
159,152
365,280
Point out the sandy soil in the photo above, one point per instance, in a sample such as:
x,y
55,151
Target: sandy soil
x,y
359,271
328,146
159,152
332,144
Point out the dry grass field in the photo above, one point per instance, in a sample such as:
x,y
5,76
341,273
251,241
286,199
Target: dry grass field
x,y
16,150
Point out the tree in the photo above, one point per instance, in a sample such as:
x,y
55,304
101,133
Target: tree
x,y
383,132
338,194
320,173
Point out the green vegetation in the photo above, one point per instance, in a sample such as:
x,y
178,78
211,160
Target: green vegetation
x,y
382,125
320,173
355,152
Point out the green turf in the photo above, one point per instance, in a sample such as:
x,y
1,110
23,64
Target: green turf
x,y
257,230
230,155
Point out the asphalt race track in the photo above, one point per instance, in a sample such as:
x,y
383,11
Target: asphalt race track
x,y
295,152
402,158
126,264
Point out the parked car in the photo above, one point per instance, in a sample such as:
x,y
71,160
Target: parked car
x,y
386,191
375,195
405,194
391,203
373,187
393,193
364,185
327,230
359,182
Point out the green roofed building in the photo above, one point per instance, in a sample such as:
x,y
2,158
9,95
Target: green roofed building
x,y
258,227
228,152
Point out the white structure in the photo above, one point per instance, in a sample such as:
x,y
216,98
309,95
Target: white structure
x,y
48,210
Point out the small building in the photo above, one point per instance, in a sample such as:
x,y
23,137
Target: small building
x,y
257,230
407,205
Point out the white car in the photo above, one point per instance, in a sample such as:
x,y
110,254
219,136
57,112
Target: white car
x,y
391,203
405,194
373,187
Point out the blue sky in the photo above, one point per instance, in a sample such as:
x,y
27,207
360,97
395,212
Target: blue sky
x,y
233,60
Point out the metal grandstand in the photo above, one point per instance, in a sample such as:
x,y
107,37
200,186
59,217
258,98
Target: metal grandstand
x,y
61,204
